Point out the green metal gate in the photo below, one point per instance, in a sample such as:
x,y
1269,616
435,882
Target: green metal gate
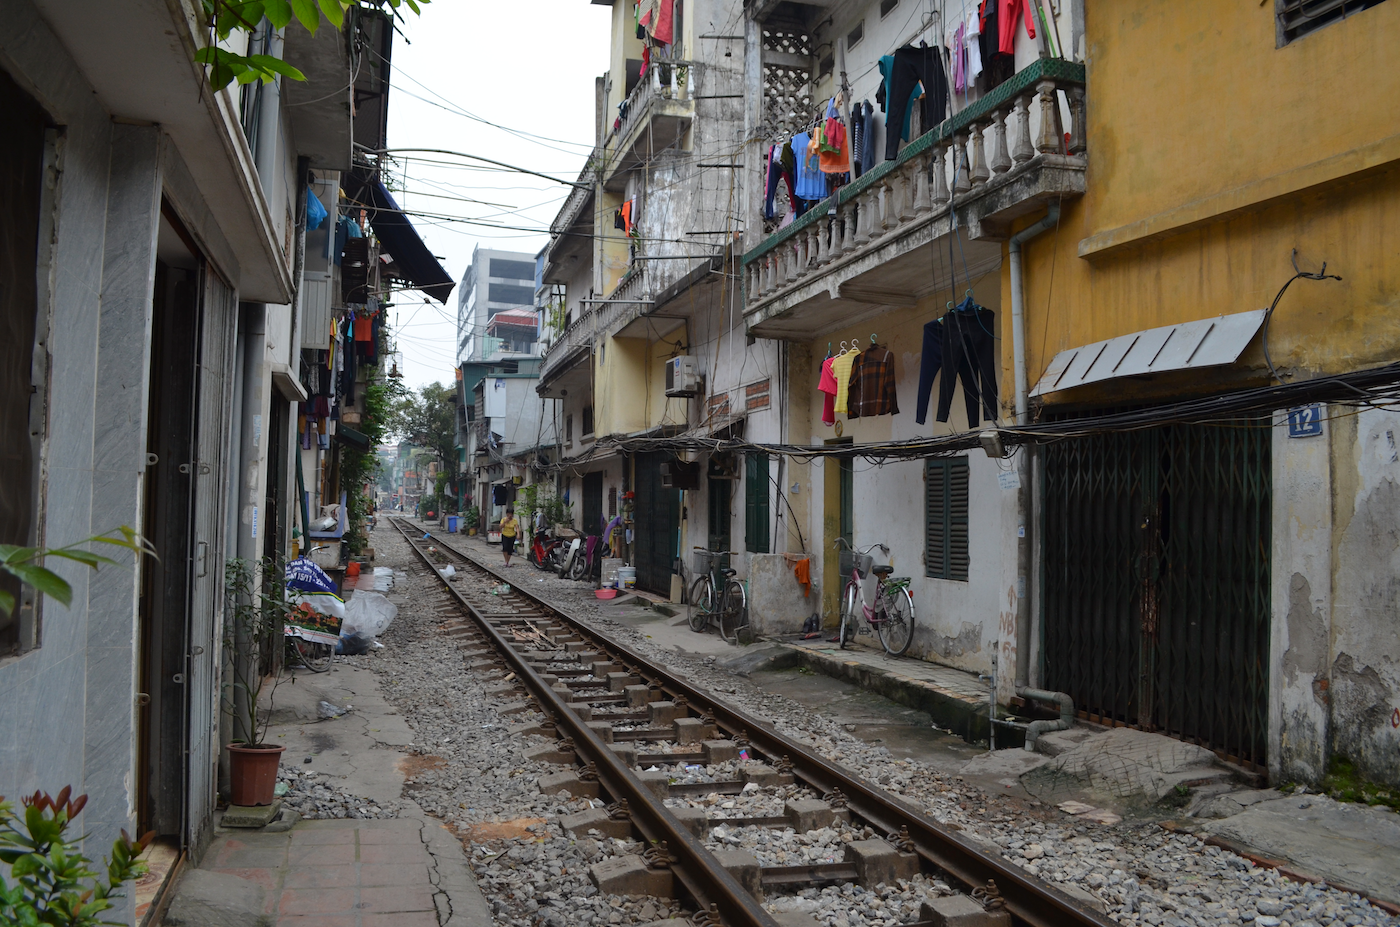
x,y
1156,605
658,519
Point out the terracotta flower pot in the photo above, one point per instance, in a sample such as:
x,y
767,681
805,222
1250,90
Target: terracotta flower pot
x,y
253,773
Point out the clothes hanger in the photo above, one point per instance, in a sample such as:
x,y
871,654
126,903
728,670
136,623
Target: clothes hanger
x,y
828,349
872,339
843,349
855,345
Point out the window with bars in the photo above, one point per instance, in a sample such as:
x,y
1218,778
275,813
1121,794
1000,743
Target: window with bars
x,y
1296,18
569,428
587,421
945,519
756,497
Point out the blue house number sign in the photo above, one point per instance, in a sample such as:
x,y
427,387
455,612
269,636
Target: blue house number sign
x,y
1305,421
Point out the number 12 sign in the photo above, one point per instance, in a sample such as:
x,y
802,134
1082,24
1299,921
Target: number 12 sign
x,y
1305,421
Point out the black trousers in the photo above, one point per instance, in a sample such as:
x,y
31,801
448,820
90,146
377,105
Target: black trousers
x,y
914,66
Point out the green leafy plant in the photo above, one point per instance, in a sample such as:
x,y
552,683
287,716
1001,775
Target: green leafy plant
x,y
51,882
473,518
26,564
257,607
225,17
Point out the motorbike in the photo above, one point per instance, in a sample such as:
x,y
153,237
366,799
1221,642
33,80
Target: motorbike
x,y
546,552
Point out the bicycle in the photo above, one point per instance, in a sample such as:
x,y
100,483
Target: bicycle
x,y
892,614
313,654
717,595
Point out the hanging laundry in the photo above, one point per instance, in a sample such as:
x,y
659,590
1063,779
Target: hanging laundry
x,y
627,217
841,368
777,171
1007,13
929,363
909,68
811,183
954,38
664,31
973,38
364,326
836,150
872,390
969,351
828,387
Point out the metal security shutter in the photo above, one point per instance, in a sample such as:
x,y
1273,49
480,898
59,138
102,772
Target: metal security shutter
x,y
945,515
1157,582
756,514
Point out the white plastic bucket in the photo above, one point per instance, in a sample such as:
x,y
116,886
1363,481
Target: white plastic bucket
x,y
627,576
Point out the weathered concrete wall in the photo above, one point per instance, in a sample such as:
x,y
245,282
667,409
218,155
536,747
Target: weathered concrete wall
x,y
1302,605
1365,632
776,603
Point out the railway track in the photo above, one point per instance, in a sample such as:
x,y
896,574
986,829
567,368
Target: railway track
x,y
613,712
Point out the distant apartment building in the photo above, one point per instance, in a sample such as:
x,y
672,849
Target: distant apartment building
x,y
493,282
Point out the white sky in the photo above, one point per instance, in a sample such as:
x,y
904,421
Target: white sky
x,y
528,67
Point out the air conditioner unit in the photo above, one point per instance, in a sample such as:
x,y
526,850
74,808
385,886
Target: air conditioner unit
x,y
677,474
682,376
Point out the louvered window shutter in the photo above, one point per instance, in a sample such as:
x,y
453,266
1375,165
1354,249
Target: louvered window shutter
x,y
945,519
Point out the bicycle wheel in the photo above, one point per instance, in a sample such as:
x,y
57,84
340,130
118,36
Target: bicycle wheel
x,y
734,611
897,628
579,567
313,656
702,603
850,608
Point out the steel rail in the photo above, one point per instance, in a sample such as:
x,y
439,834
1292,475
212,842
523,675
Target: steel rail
x,y
704,879
1030,901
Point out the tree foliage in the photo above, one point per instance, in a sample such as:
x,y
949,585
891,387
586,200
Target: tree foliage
x,y
225,17
428,421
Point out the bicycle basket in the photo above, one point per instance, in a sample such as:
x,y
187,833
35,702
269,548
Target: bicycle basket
x,y
706,560
862,562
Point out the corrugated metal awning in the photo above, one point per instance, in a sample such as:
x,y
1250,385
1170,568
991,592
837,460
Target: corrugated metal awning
x,y
1185,346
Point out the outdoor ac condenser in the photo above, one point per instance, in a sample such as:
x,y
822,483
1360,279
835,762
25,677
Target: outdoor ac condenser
x,y
682,377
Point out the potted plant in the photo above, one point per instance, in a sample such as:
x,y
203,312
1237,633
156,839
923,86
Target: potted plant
x,y
473,517
253,618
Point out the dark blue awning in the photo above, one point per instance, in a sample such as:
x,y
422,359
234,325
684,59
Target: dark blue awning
x,y
416,263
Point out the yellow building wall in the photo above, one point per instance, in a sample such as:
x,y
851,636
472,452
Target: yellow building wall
x,y
1212,155
630,392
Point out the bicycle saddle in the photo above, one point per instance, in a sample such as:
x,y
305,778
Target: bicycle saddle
x,y
882,570
730,572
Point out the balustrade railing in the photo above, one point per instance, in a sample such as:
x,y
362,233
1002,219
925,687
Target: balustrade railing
x,y
955,161
664,80
598,318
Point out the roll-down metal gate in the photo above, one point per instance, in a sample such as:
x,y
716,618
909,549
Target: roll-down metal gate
x,y
1156,609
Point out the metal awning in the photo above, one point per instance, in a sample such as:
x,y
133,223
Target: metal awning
x,y
416,263
1185,346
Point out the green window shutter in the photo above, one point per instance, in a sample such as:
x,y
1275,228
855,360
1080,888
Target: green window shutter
x,y
945,519
756,510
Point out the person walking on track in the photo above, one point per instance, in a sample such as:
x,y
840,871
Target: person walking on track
x,y
510,527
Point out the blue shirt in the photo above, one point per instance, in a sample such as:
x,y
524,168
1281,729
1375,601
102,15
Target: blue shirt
x,y
811,182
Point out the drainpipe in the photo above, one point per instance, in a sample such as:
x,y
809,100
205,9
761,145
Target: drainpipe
x,y
249,521
1036,728
1028,496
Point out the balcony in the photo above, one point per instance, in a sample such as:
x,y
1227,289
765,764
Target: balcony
x,y
658,112
562,365
882,242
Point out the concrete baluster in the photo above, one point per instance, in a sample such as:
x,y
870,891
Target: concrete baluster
x,y
1077,142
940,176
921,201
825,227
848,227
1000,161
1021,151
1051,139
961,182
864,218
977,162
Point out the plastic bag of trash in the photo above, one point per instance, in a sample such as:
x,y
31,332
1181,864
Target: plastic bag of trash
x,y
447,572
367,614
326,710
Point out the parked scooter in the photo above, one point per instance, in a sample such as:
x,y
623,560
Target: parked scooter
x,y
570,554
546,552
585,561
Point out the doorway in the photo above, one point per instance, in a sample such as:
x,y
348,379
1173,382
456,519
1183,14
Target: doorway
x,y
592,503
1157,582
658,518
